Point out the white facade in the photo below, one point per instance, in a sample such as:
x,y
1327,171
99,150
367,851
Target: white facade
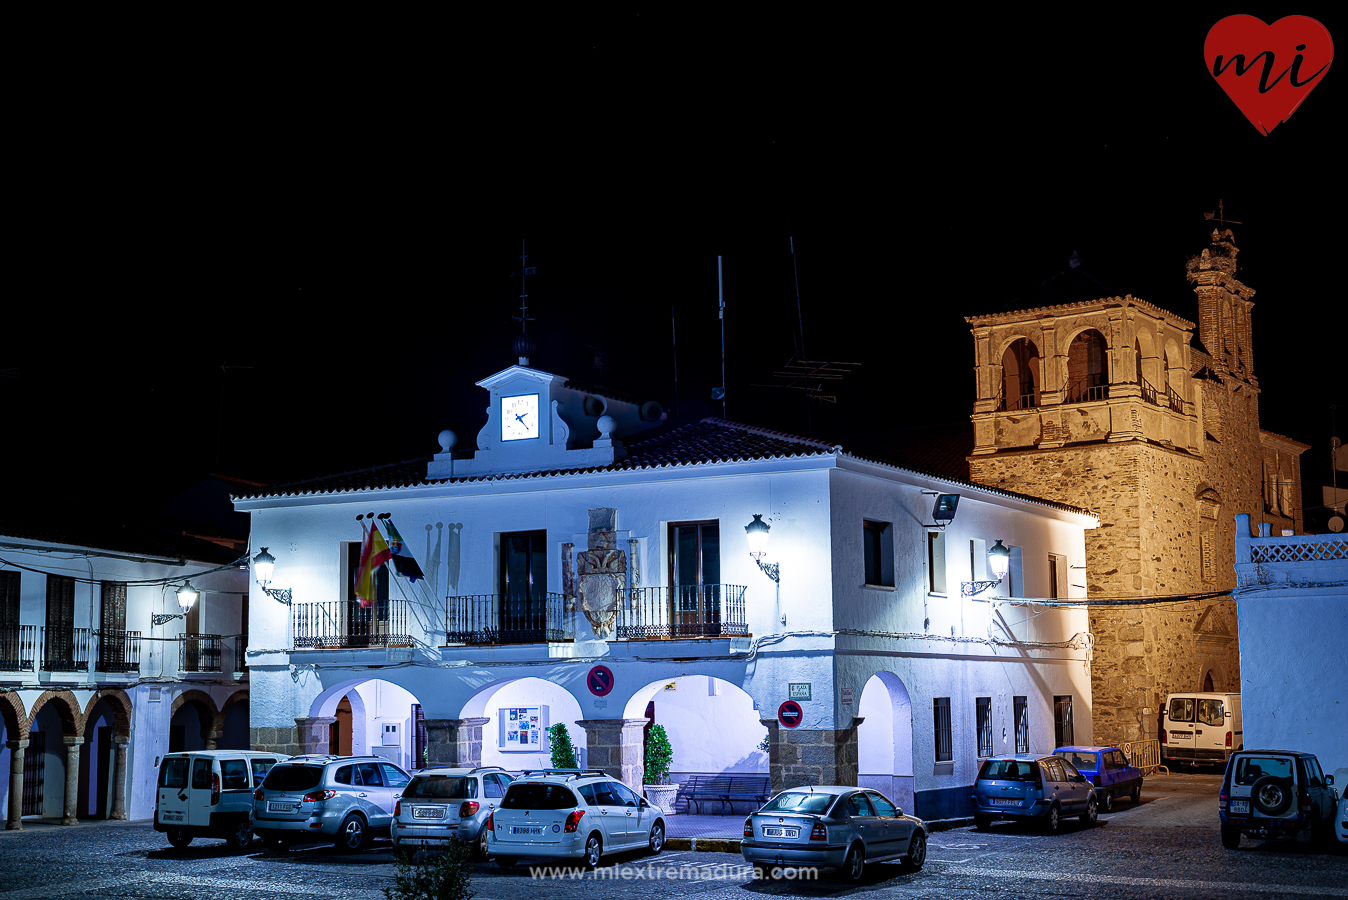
x,y
825,629
91,700
1292,603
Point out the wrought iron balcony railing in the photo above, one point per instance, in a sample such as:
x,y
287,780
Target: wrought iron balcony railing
x,y
683,611
200,653
346,625
1088,389
18,648
65,649
118,651
504,619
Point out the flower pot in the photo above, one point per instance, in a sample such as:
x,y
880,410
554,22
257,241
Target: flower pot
x,y
662,795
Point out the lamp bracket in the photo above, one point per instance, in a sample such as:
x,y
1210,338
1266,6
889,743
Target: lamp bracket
x,y
161,618
771,570
280,595
974,588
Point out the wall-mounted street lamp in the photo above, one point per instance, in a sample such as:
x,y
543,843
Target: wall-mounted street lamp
x,y
263,565
757,532
187,596
999,559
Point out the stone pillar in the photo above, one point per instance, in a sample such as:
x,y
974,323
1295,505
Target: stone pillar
x,y
313,734
119,781
454,742
211,738
807,756
72,743
616,746
15,820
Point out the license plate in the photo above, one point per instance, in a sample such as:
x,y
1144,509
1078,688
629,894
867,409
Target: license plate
x,y
274,806
428,812
1006,801
171,817
1182,735
770,831
1240,806
526,829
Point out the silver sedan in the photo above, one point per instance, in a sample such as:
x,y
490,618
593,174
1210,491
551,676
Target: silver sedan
x,y
835,826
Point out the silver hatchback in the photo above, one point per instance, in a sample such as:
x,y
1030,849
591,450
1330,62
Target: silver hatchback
x,y
444,804
343,799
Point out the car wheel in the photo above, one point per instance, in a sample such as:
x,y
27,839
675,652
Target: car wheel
x,y
1230,837
179,838
1052,820
1271,795
594,849
481,844
657,842
1106,802
982,823
1137,792
352,835
505,862
242,835
855,863
917,850
1091,814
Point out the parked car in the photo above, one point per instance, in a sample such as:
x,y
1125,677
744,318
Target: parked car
x,y
1275,793
344,799
834,826
1341,818
1108,769
1201,728
1027,787
209,793
443,804
572,814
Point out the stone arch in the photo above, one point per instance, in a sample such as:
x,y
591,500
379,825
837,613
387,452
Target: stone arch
x,y
1174,370
212,722
14,716
121,712
885,738
239,696
1088,369
1022,373
1148,365
67,707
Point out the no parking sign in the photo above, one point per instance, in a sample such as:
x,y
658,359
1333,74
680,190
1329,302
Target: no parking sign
x,y
599,680
790,714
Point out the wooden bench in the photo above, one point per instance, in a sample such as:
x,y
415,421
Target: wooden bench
x,y
726,789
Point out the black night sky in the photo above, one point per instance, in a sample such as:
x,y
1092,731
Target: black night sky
x,y
333,216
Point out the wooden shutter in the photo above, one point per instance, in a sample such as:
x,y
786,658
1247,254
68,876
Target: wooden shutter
x,y
9,599
113,617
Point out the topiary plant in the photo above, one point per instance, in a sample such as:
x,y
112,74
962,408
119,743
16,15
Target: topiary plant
x,y
659,756
563,751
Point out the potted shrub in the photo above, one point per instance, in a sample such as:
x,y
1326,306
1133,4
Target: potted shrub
x,y
659,757
563,751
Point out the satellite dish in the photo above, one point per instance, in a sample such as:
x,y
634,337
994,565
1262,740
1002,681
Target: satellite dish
x,y
1336,524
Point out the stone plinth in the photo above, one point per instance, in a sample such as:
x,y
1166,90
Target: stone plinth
x,y
616,746
807,756
454,742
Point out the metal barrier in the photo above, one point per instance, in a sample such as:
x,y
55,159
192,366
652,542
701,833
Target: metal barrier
x,y
1146,755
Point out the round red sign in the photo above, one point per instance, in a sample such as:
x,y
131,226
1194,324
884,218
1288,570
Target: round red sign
x,y
790,714
599,681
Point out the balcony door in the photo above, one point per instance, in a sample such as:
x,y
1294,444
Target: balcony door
x,y
695,578
522,613
58,651
112,628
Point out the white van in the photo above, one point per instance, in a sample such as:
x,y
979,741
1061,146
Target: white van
x,y
209,793
1200,727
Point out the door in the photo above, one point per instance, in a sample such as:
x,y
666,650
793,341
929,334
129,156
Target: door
x,y
493,789
695,579
865,824
897,832
636,822
373,795
58,650
235,795
1179,721
522,613
611,815
199,793
34,773
396,780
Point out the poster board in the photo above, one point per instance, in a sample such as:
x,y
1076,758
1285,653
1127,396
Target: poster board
x,y
522,728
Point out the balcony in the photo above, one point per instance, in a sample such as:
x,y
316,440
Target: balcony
x,y
65,649
199,653
118,651
683,611
1088,390
18,647
345,625
504,619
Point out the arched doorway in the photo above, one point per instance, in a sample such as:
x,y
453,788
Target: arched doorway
x,y
192,725
1087,368
885,739
378,718
519,713
1208,683
107,731
1020,376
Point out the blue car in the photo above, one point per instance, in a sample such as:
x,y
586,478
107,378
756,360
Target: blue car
x,y
1109,770
1044,789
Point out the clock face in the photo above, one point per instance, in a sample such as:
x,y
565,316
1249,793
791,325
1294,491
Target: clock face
x,y
519,417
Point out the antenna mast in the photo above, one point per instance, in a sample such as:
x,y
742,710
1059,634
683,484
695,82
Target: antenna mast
x,y
524,345
720,292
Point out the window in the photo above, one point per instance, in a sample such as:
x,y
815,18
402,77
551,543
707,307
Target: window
x,y
201,773
261,766
112,628
695,577
1021,709
983,724
1057,576
883,808
1087,369
936,562
491,787
10,629
1062,720
878,545
1211,712
58,649
624,794
394,776
233,775
941,729
1181,709
860,806
524,586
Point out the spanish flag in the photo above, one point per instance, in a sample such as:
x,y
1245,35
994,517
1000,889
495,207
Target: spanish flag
x,y
373,554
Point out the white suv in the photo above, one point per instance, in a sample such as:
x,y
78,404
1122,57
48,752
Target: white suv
x,y
574,815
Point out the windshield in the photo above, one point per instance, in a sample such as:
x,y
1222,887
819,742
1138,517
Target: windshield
x,y
1210,712
1250,769
173,773
441,787
1078,758
1181,709
285,777
534,795
797,801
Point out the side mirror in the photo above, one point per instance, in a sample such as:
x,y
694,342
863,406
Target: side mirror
x,y
644,804
898,812
1329,779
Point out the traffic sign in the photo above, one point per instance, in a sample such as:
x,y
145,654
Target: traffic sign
x,y
790,714
599,681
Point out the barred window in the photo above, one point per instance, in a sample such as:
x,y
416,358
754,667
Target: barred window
x,y
944,745
1062,720
983,722
1022,713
